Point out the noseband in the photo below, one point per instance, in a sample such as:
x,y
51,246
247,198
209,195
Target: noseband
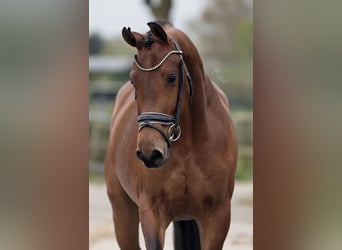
x,y
151,119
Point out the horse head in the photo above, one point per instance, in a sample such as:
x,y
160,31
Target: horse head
x,y
157,75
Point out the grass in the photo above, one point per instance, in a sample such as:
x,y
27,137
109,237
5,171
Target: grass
x,y
96,177
244,169
117,46
243,122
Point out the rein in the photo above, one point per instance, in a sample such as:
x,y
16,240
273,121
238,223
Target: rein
x,y
151,119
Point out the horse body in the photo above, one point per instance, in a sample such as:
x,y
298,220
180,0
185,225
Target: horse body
x,y
196,181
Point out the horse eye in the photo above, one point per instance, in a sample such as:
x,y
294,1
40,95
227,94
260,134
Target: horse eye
x,y
171,78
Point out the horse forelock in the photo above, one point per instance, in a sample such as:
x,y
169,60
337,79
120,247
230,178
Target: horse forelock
x,y
148,40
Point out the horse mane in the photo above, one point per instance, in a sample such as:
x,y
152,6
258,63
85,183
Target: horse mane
x,y
190,51
202,87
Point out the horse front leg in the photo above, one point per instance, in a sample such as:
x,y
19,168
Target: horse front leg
x,y
214,226
125,216
153,225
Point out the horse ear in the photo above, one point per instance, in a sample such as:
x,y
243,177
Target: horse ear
x,y
130,37
158,31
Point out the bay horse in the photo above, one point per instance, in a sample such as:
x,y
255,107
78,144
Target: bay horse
x,y
172,151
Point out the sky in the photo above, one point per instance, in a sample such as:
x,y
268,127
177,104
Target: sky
x,y
107,17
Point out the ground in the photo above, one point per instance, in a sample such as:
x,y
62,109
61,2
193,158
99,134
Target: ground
x,y
101,232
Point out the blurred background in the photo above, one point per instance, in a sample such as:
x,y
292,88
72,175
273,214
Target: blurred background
x,y
45,110
222,32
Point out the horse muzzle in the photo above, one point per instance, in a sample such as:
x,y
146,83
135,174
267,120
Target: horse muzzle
x,y
153,159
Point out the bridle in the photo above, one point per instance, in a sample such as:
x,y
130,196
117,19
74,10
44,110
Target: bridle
x,y
151,119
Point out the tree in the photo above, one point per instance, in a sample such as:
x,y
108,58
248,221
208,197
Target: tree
x,y
96,44
225,22
160,9
223,34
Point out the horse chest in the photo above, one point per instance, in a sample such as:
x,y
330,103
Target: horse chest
x,y
185,195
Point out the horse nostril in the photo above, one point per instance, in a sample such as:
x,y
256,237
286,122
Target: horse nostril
x,y
154,160
139,154
156,155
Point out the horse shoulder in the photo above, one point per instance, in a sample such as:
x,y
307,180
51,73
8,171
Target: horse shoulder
x,y
221,95
124,99
123,118
122,141
121,104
